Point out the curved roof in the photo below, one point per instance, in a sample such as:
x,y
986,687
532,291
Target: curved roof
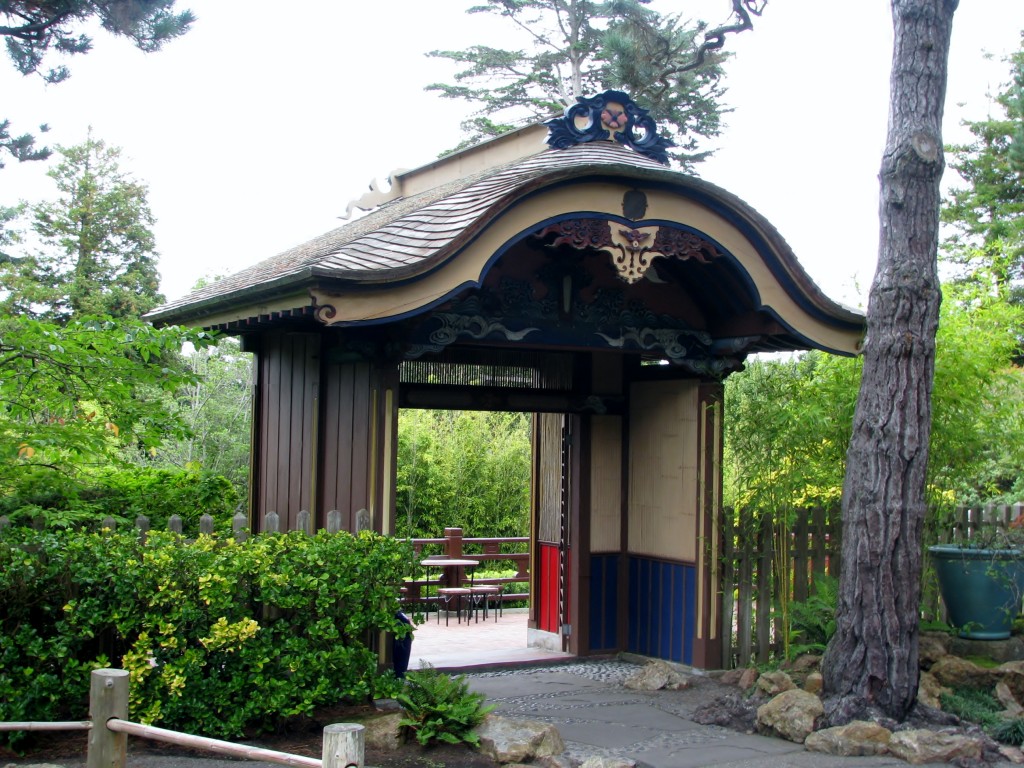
x,y
415,251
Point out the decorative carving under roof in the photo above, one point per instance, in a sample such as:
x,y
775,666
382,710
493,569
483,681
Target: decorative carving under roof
x,y
608,115
632,248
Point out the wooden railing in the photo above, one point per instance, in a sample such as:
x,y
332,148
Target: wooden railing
x,y
485,549
343,745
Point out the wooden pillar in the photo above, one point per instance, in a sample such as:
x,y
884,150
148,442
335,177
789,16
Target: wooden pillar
x,y
707,645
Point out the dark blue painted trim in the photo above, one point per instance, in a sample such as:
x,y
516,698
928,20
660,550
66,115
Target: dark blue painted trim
x,y
662,609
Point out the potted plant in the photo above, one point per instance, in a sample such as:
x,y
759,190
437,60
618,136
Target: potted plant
x,y
981,580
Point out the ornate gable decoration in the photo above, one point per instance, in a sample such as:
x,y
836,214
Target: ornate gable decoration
x,y
632,248
611,114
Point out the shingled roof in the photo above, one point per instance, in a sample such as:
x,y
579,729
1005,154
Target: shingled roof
x,y
441,228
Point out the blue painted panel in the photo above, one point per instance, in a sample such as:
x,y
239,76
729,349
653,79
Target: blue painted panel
x,y
604,601
662,609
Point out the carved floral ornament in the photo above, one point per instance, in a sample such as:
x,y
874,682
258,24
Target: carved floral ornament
x,y
632,249
611,115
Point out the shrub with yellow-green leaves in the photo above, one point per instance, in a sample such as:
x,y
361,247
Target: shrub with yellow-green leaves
x,y
219,637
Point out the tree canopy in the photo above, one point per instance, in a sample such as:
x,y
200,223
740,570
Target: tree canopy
x,y
92,248
986,214
36,31
573,48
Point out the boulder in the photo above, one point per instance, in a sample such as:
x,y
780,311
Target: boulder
x,y
731,676
384,732
928,690
518,741
1012,674
923,746
1011,706
1011,754
814,682
656,675
955,672
931,646
748,678
773,683
790,715
860,737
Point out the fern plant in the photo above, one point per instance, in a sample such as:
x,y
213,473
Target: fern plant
x,y
813,620
441,708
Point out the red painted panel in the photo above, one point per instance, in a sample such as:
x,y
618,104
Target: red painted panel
x,y
547,556
547,617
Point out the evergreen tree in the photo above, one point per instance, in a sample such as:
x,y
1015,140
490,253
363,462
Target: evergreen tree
x,y
575,48
96,246
987,215
33,29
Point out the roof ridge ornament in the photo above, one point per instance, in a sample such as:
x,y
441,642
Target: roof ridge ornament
x,y
612,114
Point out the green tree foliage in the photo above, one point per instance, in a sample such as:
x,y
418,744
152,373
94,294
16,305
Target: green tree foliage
x,y
987,214
572,48
69,393
463,468
789,421
33,30
96,253
220,638
216,407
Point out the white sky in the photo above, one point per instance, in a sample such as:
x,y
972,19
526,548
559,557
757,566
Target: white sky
x,y
255,130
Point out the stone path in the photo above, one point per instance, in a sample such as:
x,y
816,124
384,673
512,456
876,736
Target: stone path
x,y
597,715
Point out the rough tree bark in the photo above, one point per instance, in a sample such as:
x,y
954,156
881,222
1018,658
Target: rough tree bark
x,y
871,665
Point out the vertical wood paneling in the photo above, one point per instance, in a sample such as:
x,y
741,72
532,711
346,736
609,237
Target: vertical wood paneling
x,y
663,467
289,373
662,615
604,602
605,484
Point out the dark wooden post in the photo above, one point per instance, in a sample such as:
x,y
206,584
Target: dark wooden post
x,y
453,545
108,698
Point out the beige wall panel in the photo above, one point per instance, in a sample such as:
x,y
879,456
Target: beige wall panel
x,y
549,475
663,469
606,484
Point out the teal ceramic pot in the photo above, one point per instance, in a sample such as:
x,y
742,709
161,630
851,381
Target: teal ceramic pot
x,y
982,588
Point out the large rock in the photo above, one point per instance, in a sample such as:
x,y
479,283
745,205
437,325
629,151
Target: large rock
x,y
1012,675
924,746
955,672
790,715
774,683
814,682
861,737
748,678
931,646
518,741
1011,706
929,689
656,675
383,732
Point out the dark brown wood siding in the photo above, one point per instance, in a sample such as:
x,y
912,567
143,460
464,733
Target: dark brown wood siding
x,y
288,382
347,430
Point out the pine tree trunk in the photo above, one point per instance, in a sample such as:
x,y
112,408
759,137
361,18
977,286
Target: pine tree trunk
x,y
871,664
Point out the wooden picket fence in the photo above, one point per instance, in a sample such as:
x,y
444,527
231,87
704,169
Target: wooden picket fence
x,y
761,554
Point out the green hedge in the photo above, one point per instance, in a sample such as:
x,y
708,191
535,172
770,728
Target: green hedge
x,y
220,638
75,500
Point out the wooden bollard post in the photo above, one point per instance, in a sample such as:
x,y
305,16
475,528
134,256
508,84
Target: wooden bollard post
x,y
108,697
344,745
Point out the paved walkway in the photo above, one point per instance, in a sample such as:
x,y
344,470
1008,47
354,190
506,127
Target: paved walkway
x,y
476,645
594,712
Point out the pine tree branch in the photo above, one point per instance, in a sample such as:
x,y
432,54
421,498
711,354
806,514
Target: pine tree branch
x,y
714,40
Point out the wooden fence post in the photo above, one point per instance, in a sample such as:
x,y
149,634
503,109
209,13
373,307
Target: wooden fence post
x,y
206,524
174,524
302,522
334,521
240,525
343,745
272,522
108,698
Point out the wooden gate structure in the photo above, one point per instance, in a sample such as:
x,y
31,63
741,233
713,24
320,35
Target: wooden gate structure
x,y
577,278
